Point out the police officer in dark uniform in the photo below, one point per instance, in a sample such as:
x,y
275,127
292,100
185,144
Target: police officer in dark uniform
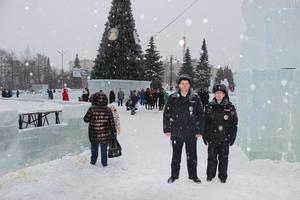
x,y
220,132
183,121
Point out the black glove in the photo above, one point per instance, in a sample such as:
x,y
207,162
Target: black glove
x,y
204,140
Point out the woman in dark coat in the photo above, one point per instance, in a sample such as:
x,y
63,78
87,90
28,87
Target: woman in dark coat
x,y
85,95
112,97
101,127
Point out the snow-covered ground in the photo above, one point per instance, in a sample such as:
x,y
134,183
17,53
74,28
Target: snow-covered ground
x,y
142,172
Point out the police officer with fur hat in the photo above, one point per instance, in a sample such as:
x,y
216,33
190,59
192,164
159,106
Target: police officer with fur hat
x,y
220,132
183,122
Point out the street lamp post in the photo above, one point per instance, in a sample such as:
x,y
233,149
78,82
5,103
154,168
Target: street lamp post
x,y
62,53
171,73
2,71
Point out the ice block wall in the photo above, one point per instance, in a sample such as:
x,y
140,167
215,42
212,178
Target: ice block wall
x,y
269,113
21,148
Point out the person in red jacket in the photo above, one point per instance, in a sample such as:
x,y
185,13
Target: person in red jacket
x,y
65,95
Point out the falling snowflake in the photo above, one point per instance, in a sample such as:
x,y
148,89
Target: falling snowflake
x,y
26,7
188,22
248,149
283,82
181,42
142,17
285,100
278,129
259,137
205,21
220,128
252,87
269,102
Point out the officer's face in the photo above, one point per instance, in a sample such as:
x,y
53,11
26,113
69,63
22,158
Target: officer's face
x,y
219,95
184,86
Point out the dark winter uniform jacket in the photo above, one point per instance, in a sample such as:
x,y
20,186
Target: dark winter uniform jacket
x,y
183,116
220,122
101,121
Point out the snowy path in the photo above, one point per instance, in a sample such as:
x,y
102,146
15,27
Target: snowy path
x,y
142,172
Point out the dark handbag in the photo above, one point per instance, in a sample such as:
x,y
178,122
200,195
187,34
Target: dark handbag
x,y
114,148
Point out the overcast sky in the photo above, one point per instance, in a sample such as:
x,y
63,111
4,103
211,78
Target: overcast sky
x,y
77,26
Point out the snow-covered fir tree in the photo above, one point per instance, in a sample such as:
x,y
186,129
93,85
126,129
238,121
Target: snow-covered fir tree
x,y
187,66
203,70
120,54
219,76
153,66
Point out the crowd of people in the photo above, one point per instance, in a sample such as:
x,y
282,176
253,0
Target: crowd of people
x,y
6,93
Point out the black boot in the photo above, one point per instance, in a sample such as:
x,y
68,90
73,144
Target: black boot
x,y
196,179
208,179
223,180
172,179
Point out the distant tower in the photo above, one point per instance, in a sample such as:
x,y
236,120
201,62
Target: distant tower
x,y
76,62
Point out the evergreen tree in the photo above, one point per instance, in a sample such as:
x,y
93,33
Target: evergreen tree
x,y
219,76
153,66
187,66
203,70
227,74
230,79
120,54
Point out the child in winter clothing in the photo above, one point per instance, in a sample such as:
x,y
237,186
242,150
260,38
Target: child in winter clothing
x,y
101,127
65,95
116,118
